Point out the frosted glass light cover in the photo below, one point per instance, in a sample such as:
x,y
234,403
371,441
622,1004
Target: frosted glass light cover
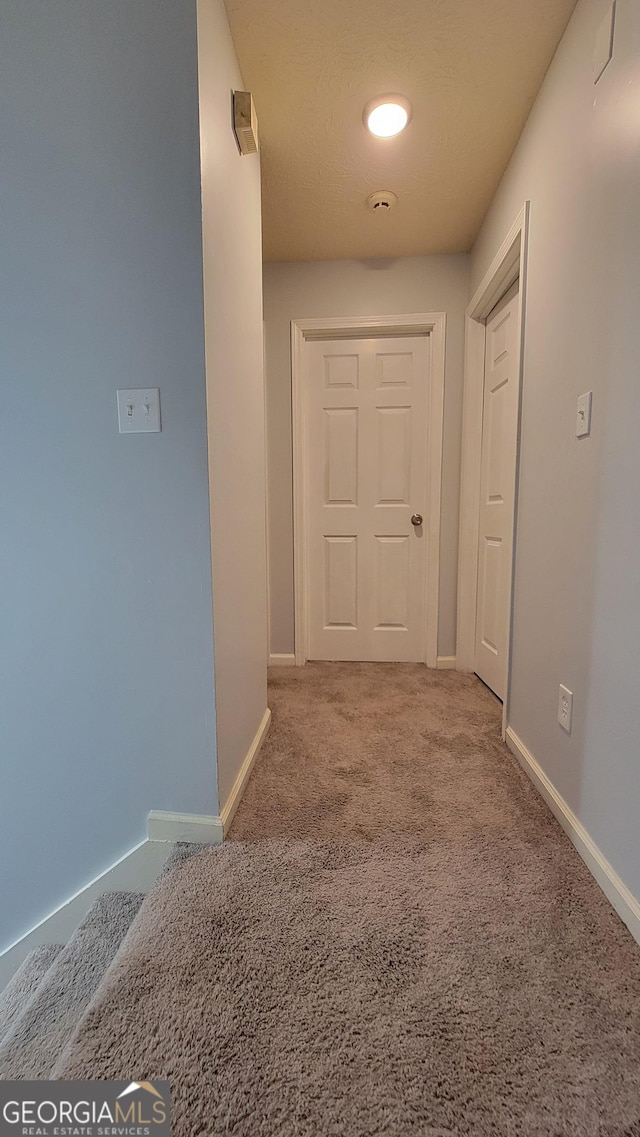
x,y
387,119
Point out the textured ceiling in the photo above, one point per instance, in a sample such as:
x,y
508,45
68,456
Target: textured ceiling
x,y
471,68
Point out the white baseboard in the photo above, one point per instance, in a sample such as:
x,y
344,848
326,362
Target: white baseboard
x,y
229,808
135,871
205,828
282,659
198,828
616,891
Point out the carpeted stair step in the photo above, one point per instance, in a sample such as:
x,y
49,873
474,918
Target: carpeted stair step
x,y
39,1034
181,852
24,984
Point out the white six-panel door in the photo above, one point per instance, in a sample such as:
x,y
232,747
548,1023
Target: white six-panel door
x,y
497,491
366,478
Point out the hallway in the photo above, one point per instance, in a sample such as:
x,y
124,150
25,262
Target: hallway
x,y
363,750
398,939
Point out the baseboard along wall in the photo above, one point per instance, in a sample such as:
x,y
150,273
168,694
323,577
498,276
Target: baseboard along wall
x,y
625,903
283,659
135,872
138,869
229,808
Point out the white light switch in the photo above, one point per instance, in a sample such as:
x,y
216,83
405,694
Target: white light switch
x,y
583,415
139,410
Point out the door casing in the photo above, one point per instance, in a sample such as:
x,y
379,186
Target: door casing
x,y
508,265
432,324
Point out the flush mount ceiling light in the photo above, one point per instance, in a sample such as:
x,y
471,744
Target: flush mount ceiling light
x,y
387,115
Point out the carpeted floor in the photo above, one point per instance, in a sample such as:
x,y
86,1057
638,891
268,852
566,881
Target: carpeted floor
x,y
361,749
398,939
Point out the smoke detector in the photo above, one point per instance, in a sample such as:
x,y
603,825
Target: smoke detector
x,y
382,201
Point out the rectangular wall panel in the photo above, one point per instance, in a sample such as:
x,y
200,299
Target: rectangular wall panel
x,y
489,599
392,582
340,582
393,466
341,456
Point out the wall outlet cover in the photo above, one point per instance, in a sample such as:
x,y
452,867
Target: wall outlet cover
x,y
565,708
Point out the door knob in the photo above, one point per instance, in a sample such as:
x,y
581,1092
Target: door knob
x,y
416,519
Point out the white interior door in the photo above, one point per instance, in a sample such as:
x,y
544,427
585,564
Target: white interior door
x,y
366,478
497,492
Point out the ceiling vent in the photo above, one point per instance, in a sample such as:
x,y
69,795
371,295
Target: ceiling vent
x,y
245,123
382,201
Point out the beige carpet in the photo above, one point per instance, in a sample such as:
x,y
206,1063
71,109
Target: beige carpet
x,y
427,956
358,750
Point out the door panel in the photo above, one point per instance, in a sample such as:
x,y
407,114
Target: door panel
x,y
394,455
497,487
341,456
341,370
392,583
366,476
340,582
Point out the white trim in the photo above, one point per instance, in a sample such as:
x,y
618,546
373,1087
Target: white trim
x,y
282,659
205,828
198,828
233,801
508,265
432,324
616,891
136,871
446,663
474,347
266,482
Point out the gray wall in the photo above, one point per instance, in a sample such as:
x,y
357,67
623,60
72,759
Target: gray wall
x,y
577,616
106,647
302,290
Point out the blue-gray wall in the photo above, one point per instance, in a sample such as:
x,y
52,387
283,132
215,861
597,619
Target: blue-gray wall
x,y
106,668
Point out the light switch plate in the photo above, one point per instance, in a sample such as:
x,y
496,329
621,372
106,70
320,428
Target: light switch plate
x,y
139,410
583,415
603,48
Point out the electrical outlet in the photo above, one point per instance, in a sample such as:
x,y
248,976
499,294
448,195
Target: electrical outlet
x,y
565,708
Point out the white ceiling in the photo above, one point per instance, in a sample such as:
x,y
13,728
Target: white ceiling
x,y
471,68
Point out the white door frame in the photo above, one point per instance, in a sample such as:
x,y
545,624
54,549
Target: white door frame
x,y
508,265
432,324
